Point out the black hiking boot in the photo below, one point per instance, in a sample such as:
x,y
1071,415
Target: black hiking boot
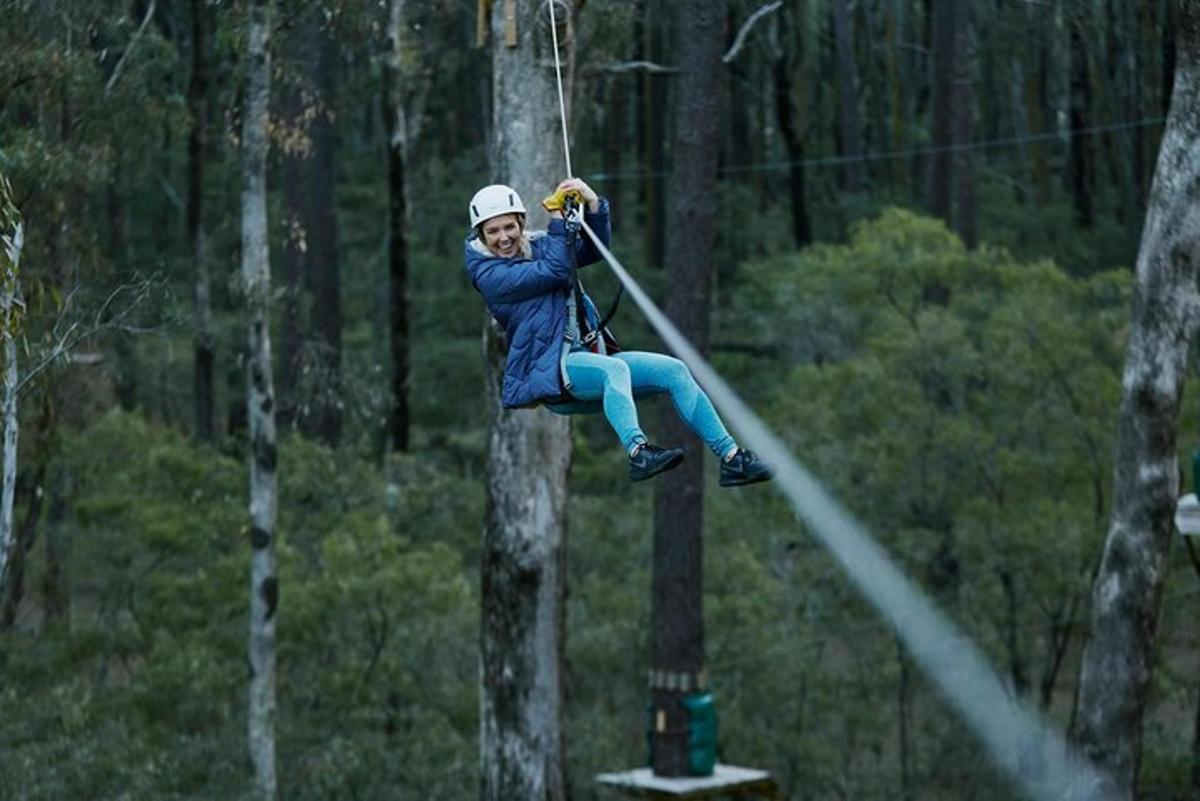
x,y
743,468
650,460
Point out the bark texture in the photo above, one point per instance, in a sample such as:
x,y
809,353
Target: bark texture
x,y
788,80
964,129
676,603
11,241
260,402
9,485
396,119
849,119
1118,659
30,486
942,130
203,341
56,579
1080,170
313,315
9,543
651,121
524,538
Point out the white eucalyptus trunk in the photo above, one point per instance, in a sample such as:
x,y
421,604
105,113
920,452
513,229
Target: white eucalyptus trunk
x,y
1118,659
10,259
524,540
11,429
260,402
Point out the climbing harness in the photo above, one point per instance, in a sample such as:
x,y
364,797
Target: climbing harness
x,y
597,338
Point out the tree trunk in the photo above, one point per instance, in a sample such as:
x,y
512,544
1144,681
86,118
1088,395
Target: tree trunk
x,y
920,77
739,137
1080,164
787,76
898,88
397,128
615,135
1117,660
524,539
676,612
904,702
651,121
849,119
55,582
12,237
128,369
1036,93
1170,52
14,590
1141,80
1196,753
312,317
964,128
26,533
8,487
260,402
296,306
324,270
203,342
942,132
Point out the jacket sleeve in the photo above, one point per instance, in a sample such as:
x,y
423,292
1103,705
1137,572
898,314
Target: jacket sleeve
x,y
507,281
600,222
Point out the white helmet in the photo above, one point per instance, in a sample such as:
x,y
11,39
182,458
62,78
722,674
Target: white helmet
x,y
494,200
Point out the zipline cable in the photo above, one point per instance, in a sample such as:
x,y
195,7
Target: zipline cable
x,y
887,155
1033,754
562,105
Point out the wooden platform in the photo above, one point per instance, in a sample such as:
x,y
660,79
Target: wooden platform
x,y
727,781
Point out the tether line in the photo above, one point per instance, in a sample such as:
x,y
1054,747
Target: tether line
x,y
562,105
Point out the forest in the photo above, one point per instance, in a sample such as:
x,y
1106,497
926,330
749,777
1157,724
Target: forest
x,y
268,532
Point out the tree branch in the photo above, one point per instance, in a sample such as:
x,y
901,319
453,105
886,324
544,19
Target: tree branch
x,y
740,39
132,44
65,341
630,66
662,69
288,21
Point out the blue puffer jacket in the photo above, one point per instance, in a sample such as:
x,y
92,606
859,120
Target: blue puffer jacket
x,y
528,297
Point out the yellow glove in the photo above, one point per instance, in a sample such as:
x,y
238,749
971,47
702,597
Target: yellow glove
x,y
558,200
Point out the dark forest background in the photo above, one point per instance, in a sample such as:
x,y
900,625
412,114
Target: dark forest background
x,y
925,247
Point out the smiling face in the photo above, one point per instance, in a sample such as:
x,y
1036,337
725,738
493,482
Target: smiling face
x,y
502,235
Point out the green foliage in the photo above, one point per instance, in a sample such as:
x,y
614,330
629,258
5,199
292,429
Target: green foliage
x,y
960,403
144,693
1050,231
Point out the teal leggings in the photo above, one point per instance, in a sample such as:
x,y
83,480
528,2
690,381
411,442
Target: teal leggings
x,y
612,383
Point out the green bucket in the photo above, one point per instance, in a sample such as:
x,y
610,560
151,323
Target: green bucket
x,y
702,734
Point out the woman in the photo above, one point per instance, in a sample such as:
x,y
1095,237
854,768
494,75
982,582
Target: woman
x,y
560,354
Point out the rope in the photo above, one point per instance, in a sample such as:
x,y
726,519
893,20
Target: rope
x,y
888,155
562,105
1034,755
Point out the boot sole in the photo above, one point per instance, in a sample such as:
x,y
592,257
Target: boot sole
x,y
664,467
742,482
